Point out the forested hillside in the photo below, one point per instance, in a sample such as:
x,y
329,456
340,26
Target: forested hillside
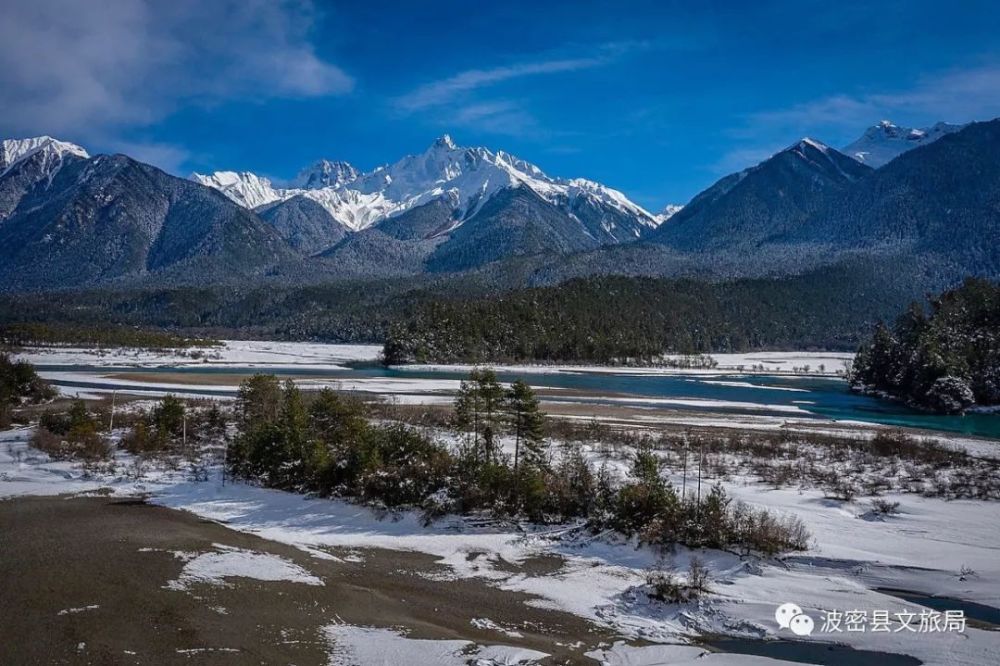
x,y
635,320
595,319
945,360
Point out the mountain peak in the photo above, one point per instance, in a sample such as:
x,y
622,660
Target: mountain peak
x,y
885,141
466,177
806,143
15,150
245,188
325,173
444,141
668,212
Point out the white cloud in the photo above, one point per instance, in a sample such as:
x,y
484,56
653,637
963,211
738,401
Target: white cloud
x,y
497,117
91,69
444,91
457,100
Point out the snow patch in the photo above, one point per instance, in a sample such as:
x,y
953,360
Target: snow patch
x,y
213,568
351,645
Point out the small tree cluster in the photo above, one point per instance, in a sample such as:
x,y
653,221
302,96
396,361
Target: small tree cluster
x,y
665,586
73,435
19,383
650,507
328,445
171,427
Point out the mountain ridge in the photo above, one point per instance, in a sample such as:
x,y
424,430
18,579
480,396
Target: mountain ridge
x,y
71,220
762,202
883,142
361,200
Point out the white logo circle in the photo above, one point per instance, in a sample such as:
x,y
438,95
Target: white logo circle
x,y
784,614
801,625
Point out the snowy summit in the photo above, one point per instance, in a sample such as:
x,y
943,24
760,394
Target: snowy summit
x,y
885,141
469,177
51,150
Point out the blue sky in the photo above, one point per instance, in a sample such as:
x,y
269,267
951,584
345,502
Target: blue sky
x,y
658,99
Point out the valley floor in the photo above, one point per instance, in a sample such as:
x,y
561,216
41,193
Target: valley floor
x,y
219,572
324,579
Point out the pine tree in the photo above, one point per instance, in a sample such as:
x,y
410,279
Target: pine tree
x,y
168,418
78,415
467,408
293,421
527,422
478,407
491,397
259,400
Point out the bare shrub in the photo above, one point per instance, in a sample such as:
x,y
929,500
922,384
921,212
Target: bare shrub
x,y
82,442
760,530
665,586
883,507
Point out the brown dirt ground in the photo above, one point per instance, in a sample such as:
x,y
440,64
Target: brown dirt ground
x,y
58,553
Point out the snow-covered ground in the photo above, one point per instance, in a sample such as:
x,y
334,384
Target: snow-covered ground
x,y
932,546
227,562
367,645
84,372
316,355
237,353
102,384
622,654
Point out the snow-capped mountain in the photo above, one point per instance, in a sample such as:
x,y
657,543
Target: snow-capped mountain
x,y
468,176
247,189
26,164
885,141
69,220
325,173
668,212
50,150
764,202
111,217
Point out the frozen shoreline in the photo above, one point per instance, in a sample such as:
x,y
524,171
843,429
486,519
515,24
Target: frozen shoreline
x,y
237,353
318,355
784,363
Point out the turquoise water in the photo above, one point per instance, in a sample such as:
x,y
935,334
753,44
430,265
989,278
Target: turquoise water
x,y
818,396
824,396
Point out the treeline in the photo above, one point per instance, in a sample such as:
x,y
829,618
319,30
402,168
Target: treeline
x,y
35,333
484,318
947,359
327,444
636,320
20,384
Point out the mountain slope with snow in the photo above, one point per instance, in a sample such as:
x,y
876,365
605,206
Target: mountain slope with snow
x,y
325,173
110,218
15,150
247,189
763,202
29,164
885,141
468,176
